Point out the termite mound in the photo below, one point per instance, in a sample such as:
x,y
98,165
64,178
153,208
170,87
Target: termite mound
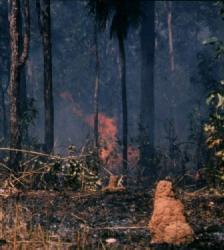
x,y
168,223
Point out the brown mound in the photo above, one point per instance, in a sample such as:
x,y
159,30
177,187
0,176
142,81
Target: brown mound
x,y
168,223
115,184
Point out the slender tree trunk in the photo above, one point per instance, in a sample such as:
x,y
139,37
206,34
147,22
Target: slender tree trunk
x,y
23,104
122,69
3,106
147,106
96,91
44,17
17,61
15,135
48,89
24,30
170,34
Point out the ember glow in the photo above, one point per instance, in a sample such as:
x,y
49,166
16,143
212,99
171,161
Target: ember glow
x,y
110,153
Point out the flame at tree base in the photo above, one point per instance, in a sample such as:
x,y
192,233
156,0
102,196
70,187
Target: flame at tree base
x,y
110,151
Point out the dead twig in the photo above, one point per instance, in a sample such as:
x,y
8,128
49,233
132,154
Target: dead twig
x,y
120,228
79,218
31,152
107,170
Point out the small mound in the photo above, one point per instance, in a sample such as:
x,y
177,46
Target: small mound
x,y
168,223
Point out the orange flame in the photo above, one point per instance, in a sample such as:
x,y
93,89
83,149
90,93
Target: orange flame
x,y
108,133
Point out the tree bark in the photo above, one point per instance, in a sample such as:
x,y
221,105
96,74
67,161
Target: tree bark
x,y
17,61
96,91
24,30
122,69
44,17
26,37
147,106
15,132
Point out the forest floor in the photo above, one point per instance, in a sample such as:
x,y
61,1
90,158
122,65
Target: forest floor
x,y
72,220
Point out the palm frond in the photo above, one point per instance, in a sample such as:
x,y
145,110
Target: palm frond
x,y
100,11
120,14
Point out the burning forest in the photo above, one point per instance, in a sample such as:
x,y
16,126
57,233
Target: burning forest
x,y
111,124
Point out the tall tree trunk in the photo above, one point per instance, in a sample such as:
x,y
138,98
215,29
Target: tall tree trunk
x,y
24,30
170,34
15,135
147,106
122,69
3,107
44,16
96,91
17,61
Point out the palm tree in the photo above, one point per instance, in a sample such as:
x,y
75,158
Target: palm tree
x,y
44,18
122,15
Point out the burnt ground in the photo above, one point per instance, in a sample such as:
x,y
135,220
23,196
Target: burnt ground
x,y
72,220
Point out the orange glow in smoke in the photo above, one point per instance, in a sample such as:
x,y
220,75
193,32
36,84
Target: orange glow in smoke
x,y
75,109
108,133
